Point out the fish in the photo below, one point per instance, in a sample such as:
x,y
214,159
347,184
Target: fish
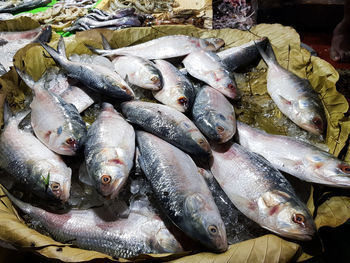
x,y
243,57
177,91
97,229
164,47
208,67
109,151
31,163
15,6
181,191
296,157
169,124
100,15
261,192
56,123
214,115
139,72
294,96
95,77
11,42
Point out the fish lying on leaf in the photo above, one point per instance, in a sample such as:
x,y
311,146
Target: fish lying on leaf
x,y
15,6
296,157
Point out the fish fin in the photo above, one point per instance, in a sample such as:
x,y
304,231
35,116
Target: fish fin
x,y
44,35
290,163
84,176
95,50
285,101
268,56
7,112
26,78
61,48
193,203
105,43
9,116
207,175
52,52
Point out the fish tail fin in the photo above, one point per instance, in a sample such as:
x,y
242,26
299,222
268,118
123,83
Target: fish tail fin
x,y
96,50
105,43
25,207
107,107
26,78
57,57
61,47
268,55
44,35
7,113
9,117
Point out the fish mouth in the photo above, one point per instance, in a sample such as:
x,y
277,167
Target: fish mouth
x,y
302,236
113,189
65,192
68,150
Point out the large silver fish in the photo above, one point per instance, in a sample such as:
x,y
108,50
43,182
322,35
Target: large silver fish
x,y
96,77
168,124
261,192
208,67
109,151
181,191
177,91
242,57
296,157
32,164
15,6
214,115
139,71
96,229
56,123
165,47
294,96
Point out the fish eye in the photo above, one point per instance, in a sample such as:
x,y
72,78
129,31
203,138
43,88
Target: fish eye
x,y
201,141
318,122
299,219
182,100
213,229
344,168
70,141
106,179
220,129
55,186
230,86
154,79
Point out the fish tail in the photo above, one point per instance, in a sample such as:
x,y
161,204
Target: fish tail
x,y
96,50
55,54
268,56
107,107
44,35
61,48
26,78
105,43
10,117
26,208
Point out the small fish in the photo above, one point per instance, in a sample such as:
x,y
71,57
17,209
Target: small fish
x,y
165,47
261,192
31,163
100,15
98,229
181,191
296,157
56,123
109,151
169,124
242,57
139,71
177,91
214,115
96,77
294,96
15,6
208,67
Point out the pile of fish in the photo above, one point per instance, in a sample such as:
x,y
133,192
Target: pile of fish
x,y
144,6
183,142
15,6
100,19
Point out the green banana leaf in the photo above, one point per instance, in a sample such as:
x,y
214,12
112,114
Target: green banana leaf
x,y
252,109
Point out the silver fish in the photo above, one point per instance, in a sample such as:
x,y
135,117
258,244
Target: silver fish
x,y
208,67
242,57
97,229
96,77
11,42
15,6
214,115
109,151
261,192
177,91
139,71
294,96
181,191
32,164
165,47
296,157
56,123
169,124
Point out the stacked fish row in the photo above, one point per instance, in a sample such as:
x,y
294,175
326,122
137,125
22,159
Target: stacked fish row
x,y
100,19
172,149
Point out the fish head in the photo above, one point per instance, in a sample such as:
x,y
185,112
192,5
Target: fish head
x,y
110,178
205,223
165,242
222,130
68,141
213,44
111,83
58,184
201,142
152,78
311,115
286,216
